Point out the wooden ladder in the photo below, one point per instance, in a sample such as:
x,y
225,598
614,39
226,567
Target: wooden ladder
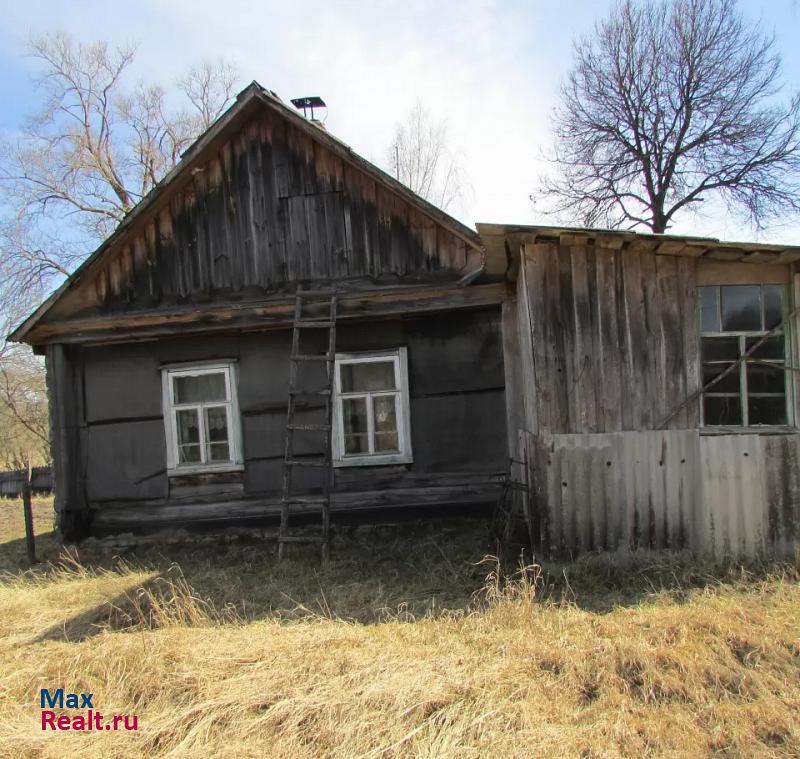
x,y
291,462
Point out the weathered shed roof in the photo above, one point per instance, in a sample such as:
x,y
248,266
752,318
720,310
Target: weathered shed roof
x,y
502,243
248,102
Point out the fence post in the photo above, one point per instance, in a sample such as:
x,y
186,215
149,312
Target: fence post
x,y
30,540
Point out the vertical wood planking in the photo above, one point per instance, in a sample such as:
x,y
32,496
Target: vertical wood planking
x,y
687,300
566,335
651,347
582,384
609,345
537,388
671,363
269,206
638,377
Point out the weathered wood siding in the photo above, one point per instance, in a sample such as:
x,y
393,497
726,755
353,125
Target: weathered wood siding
x,y
608,338
268,208
456,381
718,495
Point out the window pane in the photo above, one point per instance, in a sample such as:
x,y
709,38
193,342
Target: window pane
x,y
354,417
764,379
200,389
188,432
720,348
722,410
217,433
218,452
188,427
771,348
709,312
375,375
385,421
741,308
773,305
767,410
728,384
189,454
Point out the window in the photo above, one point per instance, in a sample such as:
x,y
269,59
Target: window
x,y
732,319
201,418
371,409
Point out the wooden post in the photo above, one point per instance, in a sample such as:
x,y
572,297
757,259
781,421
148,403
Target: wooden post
x,y
30,540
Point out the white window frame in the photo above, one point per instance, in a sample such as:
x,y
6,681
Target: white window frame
x,y
170,409
404,455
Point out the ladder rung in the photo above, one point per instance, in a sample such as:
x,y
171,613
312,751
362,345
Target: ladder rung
x,y
300,539
312,357
308,500
313,324
309,427
306,462
321,391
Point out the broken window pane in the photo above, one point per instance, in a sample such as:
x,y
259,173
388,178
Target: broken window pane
x,y
722,410
773,305
720,348
769,410
709,309
200,389
741,308
372,375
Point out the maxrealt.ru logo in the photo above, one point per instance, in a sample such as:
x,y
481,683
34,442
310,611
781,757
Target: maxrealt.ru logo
x,y
87,719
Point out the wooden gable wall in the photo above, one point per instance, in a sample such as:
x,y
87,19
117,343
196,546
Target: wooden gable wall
x,y
268,207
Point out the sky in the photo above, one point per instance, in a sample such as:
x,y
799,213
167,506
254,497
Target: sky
x,y
492,70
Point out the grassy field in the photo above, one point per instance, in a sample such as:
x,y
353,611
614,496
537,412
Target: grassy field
x,y
404,645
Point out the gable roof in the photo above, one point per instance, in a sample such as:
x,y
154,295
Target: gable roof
x,y
253,97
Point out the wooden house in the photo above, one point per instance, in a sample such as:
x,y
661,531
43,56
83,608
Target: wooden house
x,y
280,328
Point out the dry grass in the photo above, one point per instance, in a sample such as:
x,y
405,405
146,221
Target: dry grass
x,y
408,651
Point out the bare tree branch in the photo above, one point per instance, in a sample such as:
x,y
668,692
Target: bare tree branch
x,y
92,150
421,159
667,104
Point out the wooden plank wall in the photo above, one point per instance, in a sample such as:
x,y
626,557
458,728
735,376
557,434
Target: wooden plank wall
x,y
613,338
67,440
720,496
272,207
458,424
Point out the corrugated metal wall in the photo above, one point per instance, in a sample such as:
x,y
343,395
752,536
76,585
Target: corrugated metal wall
x,y
720,495
11,481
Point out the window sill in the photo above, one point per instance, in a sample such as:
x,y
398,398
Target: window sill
x,y
397,458
785,429
219,469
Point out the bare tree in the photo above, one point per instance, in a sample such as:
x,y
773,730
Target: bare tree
x,y
422,160
94,148
209,86
670,103
24,423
